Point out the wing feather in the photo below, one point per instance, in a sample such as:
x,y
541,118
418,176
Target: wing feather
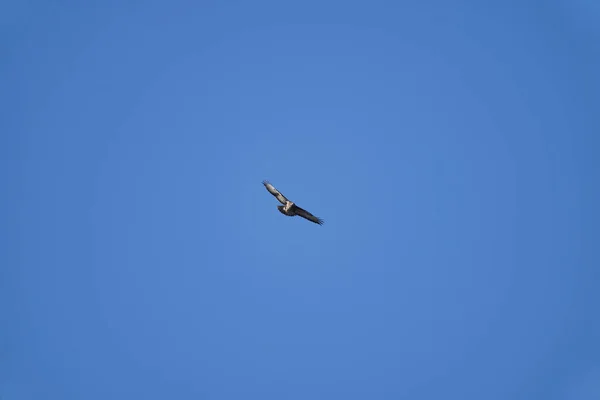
x,y
306,215
282,199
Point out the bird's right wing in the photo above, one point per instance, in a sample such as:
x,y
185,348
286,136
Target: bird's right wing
x,y
306,215
275,192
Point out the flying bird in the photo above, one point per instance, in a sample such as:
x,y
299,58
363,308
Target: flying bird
x,y
289,208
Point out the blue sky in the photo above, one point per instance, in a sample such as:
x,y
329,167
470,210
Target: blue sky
x,y
451,147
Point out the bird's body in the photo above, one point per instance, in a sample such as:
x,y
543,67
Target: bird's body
x,y
285,212
289,208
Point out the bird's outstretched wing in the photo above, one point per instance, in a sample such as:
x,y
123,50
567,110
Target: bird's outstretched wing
x,y
282,199
305,214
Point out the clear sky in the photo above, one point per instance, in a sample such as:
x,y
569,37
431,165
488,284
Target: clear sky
x,y
451,148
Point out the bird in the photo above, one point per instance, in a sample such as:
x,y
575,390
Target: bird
x,y
289,208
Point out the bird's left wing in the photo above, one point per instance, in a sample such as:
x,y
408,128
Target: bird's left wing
x,y
275,192
305,214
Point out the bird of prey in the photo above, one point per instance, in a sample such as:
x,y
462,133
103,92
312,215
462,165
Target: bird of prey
x,y
289,208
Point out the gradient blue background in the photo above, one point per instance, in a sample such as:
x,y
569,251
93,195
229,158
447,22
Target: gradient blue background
x,y
451,147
